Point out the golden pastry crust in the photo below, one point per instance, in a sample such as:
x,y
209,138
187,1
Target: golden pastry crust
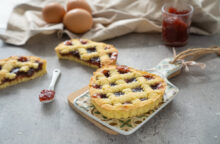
x,y
122,92
87,52
17,69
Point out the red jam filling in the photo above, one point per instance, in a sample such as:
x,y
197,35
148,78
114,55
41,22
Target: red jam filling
x,y
22,59
46,95
148,77
94,60
73,53
175,28
106,73
20,74
122,69
96,86
175,11
83,41
68,42
130,80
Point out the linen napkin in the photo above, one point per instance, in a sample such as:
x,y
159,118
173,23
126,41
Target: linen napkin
x,y
112,18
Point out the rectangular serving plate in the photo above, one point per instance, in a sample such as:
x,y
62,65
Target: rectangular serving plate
x,y
170,93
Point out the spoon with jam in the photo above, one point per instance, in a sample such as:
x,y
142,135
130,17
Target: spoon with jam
x,y
47,95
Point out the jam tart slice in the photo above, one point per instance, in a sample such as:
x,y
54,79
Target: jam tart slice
x,y
123,92
17,69
90,53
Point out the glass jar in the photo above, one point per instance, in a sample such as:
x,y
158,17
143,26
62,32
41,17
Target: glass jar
x,y
176,24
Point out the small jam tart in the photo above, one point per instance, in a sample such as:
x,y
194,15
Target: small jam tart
x,y
90,53
123,92
17,69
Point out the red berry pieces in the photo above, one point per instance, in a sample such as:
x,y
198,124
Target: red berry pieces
x,y
30,72
122,69
68,42
95,95
83,41
103,96
96,86
175,11
46,95
148,77
76,54
106,73
22,59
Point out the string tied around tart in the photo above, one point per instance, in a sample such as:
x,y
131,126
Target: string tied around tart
x,y
187,58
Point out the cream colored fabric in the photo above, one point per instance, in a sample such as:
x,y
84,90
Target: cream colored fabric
x,y
112,18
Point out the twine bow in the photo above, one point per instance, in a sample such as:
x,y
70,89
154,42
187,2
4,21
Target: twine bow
x,y
192,55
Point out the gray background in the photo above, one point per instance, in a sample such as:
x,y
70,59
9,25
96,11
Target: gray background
x,y
193,117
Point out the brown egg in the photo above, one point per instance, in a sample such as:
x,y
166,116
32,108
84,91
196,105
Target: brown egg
x,y
53,13
72,4
78,20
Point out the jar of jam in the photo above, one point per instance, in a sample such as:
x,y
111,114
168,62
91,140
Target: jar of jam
x,y
176,24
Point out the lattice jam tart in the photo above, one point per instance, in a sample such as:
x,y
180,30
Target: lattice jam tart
x,y
90,53
17,69
123,92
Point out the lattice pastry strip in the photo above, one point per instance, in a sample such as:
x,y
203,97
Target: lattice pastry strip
x,y
94,54
117,89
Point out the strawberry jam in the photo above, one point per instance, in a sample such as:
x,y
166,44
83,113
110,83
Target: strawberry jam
x,y
22,59
106,73
83,41
46,95
122,69
175,26
68,42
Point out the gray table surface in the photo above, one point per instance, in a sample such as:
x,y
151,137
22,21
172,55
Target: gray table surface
x,y
192,118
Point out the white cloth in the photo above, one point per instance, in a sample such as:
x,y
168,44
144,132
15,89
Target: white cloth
x,y
112,18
